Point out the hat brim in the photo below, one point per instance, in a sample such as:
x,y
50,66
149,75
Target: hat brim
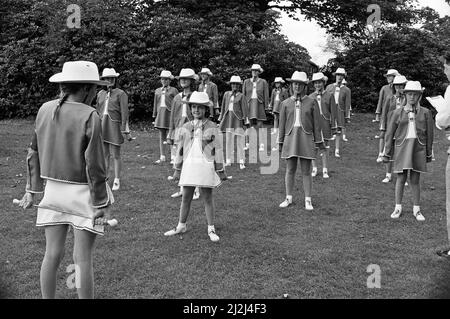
x,y
110,76
344,74
299,81
417,91
234,83
317,80
209,104
259,70
58,78
210,74
282,81
167,77
394,75
185,77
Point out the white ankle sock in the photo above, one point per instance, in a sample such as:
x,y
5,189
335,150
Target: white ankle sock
x,y
289,197
308,199
116,180
325,170
389,175
181,225
398,207
416,209
211,228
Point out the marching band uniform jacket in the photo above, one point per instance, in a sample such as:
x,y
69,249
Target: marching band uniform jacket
x,y
385,93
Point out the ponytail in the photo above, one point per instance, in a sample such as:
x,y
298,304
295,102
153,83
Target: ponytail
x,y
60,103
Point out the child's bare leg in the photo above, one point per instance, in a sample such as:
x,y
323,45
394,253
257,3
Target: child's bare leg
x,y
55,239
414,178
400,186
188,193
209,204
82,257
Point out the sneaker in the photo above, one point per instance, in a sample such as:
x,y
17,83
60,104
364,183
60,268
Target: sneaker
x,y
227,163
333,138
344,138
175,231
336,154
375,121
246,147
386,180
261,148
396,214
161,160
419,217
287,202
325,175
314,172
116,185
308,205
196,196
274,131
213,236
176,195
406,184
377,137
241,165
380,159
274,148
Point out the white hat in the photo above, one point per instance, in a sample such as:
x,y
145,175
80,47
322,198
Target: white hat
x,y
78,72
318,77
400,79
166,74
235,79
257,67
340,71
186,74
200,98
206,71
278,79
413,86
392,72
109,73
298,77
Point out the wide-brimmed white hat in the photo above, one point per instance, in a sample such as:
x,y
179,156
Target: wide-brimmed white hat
x,y
413,86
200,98
187,74
400,79
109,73
257,67
340,71
392,72
298,77
278,79
235,79
166,75
206,71
318,77
78,72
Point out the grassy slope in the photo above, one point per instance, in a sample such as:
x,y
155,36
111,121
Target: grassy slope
x,y
264,252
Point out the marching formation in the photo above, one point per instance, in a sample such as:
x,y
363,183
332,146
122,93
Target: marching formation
x,y
69,156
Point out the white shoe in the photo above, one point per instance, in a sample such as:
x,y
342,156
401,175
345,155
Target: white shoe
x,y
161,160
261,148
406,184
344,138
196,195
175,231
287,202
377,137
419,217
314,172
116,185
274,131
380,159
308,205
227,163
213,236
333,138
375,121
241,165
336,154
176,195
386,180
396,214
325,175
275,148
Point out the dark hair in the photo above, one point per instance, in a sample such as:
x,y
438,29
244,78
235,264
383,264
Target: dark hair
x,y
67,89
447,57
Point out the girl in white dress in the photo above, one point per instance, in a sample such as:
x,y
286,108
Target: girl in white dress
x,y
199,162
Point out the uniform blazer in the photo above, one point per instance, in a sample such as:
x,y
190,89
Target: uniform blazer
x,y
240,108
262,91
171,92
443,118
212,91
328,106
390,104
69,149
398,128
176,120
309,118
345,98
385,93
117,106
284,94
211,144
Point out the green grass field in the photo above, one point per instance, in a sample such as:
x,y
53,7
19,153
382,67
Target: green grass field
x,y
264,252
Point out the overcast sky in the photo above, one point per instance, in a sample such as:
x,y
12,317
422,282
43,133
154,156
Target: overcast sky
x,y
311,36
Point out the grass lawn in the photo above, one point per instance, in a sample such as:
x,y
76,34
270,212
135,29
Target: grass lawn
x,y
264,251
